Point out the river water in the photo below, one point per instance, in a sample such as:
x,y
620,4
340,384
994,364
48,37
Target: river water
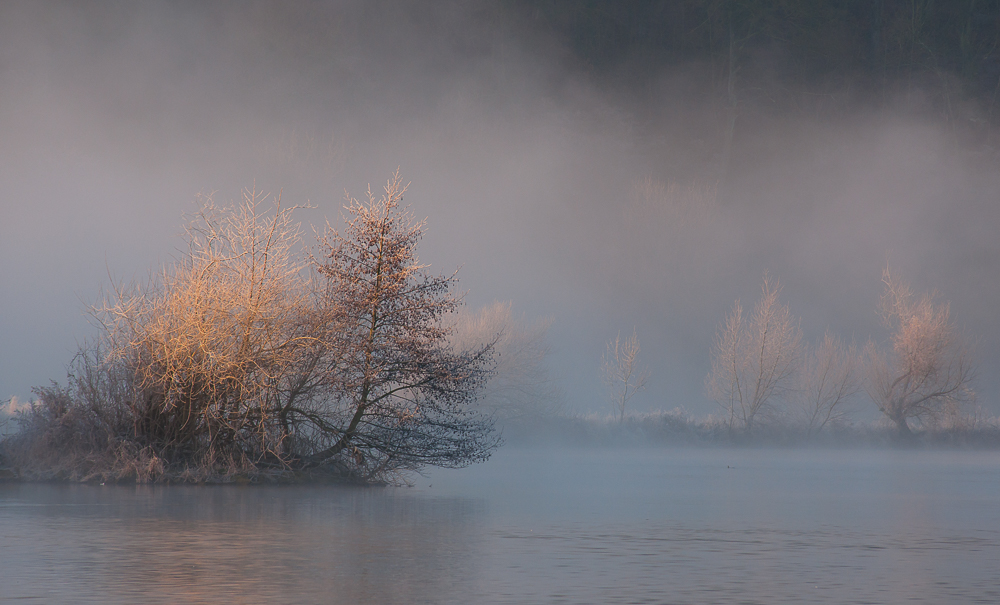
x,y
532,526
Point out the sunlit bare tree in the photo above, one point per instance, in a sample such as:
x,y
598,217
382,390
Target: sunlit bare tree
x,y
622,372
401,392
754,358
247,355
926,371
215,338
829,378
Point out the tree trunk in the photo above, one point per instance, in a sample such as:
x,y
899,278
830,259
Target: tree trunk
x,y
904,432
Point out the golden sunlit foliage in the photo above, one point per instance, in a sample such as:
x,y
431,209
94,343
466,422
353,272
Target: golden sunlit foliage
x,y
250,357
926,372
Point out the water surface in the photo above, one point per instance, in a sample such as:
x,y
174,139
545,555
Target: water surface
x,y
532,526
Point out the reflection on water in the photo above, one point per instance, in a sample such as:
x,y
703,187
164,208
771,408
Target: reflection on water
x,y
155,544
574,526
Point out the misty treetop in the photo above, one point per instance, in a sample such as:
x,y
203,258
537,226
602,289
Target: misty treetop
x,y
248,356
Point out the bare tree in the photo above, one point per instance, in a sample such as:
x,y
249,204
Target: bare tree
x,y
829,378
926,370
213,340
623,375
753,358
401,393
248,355
520,386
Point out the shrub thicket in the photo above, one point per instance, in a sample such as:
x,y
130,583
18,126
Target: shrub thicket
x,y
250,358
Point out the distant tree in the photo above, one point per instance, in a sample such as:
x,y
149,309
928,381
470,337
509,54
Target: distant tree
x,y
400,392
754,358
926,371
520,386
623,375
830,376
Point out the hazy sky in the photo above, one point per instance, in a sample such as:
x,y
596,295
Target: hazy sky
x,y
603,201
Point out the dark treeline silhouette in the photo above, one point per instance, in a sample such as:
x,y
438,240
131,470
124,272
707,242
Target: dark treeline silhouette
x,y
871,42
822,58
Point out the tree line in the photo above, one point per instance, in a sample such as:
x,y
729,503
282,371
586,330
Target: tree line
x,y
746,61
922,374
764,374
870,43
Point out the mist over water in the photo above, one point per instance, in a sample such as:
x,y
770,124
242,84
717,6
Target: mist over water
x,y
532,526
586,181
604,197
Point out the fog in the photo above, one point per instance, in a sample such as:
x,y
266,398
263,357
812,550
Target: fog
x,y
605,198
